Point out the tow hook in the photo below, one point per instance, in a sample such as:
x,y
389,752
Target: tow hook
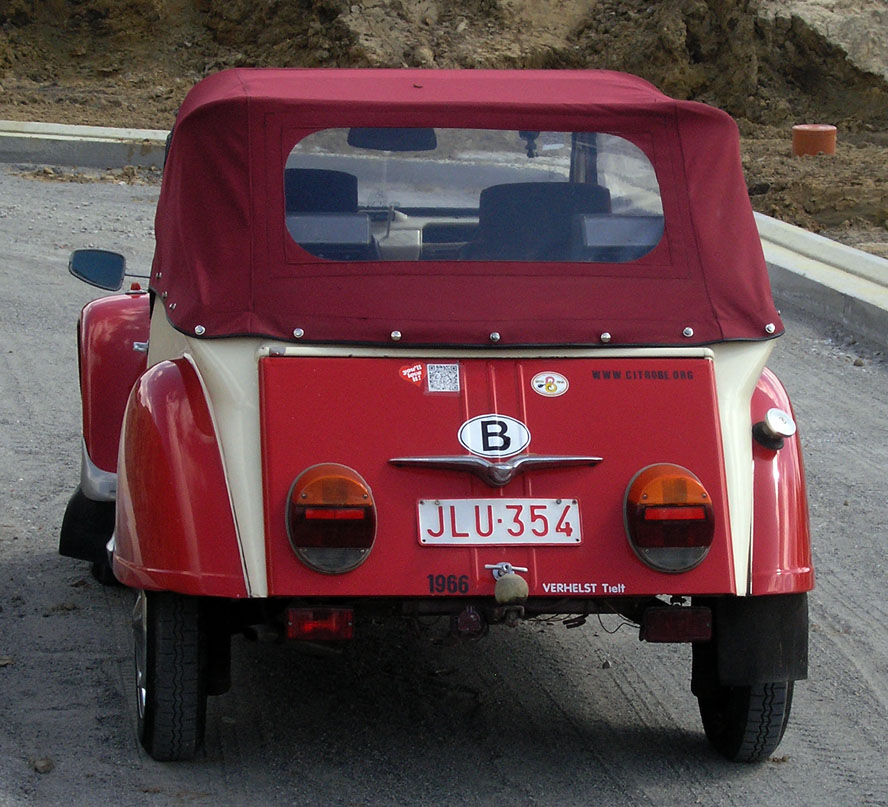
x,y
511,588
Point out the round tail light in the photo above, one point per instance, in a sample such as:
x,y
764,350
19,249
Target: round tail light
x,y
669,518
331,518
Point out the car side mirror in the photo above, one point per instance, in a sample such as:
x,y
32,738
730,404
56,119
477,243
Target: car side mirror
x,y
98,267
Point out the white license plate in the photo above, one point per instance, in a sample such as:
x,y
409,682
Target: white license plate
x,y
472,522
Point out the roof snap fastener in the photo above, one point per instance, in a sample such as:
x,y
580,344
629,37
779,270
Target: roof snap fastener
x,y
495,337
770,328
298,333
172,306
396,336
688,332
605,337
200,330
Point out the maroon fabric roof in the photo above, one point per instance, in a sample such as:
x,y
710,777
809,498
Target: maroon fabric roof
x,y
225,262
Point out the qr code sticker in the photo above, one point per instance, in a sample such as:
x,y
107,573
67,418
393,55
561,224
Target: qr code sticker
x,y
443,377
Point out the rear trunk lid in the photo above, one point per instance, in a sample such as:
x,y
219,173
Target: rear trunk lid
x,y
474,462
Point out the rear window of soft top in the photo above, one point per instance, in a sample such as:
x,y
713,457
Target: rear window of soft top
x,y
412,194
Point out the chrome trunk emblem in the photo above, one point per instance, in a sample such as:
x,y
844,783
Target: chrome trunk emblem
x,y
495,474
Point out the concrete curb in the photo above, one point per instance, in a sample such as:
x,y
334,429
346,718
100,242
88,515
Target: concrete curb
x,y
84,146
807,271
828,279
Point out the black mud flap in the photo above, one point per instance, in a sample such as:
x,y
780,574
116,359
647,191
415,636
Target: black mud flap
x,y
86,528
756,640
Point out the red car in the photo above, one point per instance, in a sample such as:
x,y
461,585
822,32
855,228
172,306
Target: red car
x,y
482,344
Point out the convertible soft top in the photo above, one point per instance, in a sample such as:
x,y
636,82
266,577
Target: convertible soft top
x,y
225,264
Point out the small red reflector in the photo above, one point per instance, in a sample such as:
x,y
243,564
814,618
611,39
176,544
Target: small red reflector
x,y
668,513
320,624
676,624
335,513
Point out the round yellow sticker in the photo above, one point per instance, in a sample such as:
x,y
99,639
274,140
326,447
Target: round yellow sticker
x,y
550,384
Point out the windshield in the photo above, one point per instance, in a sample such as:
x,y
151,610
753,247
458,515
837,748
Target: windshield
x,y
471,195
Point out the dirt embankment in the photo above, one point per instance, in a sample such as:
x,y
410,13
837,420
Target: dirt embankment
x,y
130,62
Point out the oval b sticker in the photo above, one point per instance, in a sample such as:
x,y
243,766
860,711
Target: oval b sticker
x,y
494,435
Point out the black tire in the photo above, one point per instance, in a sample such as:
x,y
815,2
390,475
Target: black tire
x,y
171,674
746,723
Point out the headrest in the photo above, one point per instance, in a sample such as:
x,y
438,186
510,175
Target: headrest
x,y
516,202
317,190
531,221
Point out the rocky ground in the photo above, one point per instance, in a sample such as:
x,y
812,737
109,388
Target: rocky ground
x,y
770,64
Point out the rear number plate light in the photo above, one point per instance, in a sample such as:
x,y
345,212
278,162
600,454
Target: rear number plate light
x,y
484,522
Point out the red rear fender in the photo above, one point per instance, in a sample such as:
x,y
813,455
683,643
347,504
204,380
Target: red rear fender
x,y
781,551
111,333
175,529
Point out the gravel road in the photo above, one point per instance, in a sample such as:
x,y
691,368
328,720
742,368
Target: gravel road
x,y
533,715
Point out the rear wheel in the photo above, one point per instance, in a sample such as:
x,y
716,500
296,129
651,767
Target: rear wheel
x,y
746,723
171,674
743,678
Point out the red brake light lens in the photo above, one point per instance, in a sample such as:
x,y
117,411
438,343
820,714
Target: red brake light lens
x,y
674,513
335,513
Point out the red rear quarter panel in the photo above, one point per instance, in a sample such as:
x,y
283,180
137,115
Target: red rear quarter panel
x,y
175,528
109,366
781,551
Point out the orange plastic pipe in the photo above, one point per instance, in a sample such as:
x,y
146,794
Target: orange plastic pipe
x,y
813,138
